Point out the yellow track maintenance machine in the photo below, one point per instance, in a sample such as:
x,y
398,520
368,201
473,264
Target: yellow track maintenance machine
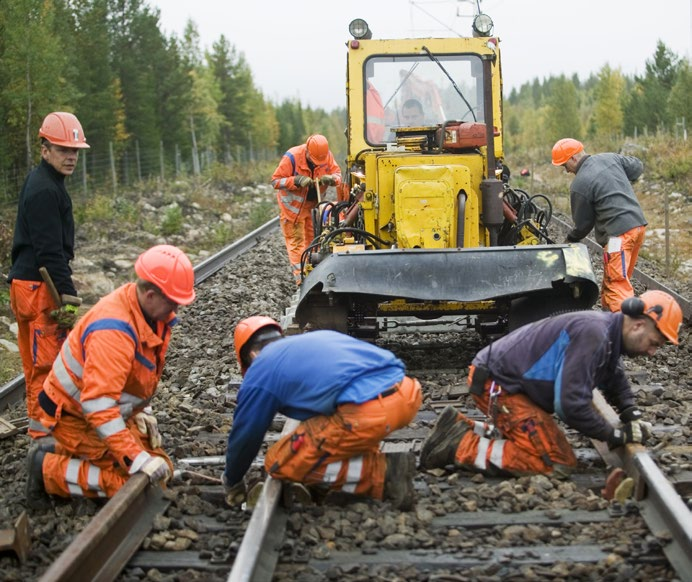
x,y
427,230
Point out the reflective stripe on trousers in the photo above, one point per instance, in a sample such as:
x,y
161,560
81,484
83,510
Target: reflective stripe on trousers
x,y
341,451
529,442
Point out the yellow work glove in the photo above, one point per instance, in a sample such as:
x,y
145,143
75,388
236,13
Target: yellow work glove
x,y
148,425
66,315
156,468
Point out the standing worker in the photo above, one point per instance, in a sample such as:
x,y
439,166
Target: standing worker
x,y
95,401
348,399
302,171
552,366
44,237
602,198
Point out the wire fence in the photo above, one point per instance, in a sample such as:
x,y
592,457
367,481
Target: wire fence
x,y
108,171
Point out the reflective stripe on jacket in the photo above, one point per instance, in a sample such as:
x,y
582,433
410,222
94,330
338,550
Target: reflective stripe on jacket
x,y
109,368
294,162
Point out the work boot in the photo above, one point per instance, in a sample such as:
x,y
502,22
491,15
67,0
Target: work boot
x,y
36,496
441,445
46,444
398,480
295,494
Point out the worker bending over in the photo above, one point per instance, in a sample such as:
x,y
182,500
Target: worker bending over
x,y
552,366
602,198
348,395
95,401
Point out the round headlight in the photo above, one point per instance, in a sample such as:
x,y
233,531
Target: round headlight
x,y
482,25
359,29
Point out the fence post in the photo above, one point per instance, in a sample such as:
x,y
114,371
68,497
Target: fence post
x,y
161,157
113,174
84,172
195,153
139,163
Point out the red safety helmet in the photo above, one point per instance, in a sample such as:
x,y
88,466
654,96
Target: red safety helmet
x,y
318,148
170,270
63,129
250,327
660,307
564,149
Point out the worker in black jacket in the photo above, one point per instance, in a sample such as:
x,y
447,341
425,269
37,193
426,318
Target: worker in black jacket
x,y
44,237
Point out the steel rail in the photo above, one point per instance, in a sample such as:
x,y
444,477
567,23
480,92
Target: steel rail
x,y
257,558
662,508
643,278
14,390
111,538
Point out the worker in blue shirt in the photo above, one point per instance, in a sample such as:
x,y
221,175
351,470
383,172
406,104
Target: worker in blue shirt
x,y
347,394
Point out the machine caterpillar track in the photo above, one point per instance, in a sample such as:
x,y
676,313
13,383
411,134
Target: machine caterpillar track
x,y
427,229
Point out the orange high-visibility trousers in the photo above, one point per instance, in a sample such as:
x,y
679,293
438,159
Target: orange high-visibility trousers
x,y
298,233
341,452
39,341
529,442
82,466
618,267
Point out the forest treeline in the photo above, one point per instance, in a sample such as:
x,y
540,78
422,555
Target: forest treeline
x,y
153,104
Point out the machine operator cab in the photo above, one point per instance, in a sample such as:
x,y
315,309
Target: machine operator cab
x,y
419,87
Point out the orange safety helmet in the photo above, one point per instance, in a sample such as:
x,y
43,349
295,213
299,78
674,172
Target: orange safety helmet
x,y
564,149
660,307
249,327
63,129
170,270
318,148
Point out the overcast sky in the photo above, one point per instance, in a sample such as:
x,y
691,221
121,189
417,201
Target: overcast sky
x,y
297,49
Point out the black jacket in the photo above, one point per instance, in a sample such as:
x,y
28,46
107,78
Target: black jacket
x,y
44,232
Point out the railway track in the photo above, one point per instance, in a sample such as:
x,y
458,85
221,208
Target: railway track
x,y
462,526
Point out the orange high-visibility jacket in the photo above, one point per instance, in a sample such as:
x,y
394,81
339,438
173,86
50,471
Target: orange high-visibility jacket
x,y
375,115
292,200
108,369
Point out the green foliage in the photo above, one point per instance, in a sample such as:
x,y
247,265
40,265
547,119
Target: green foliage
x,y
172,222
563,112
99,208
262,212
669,159
607,115
222,235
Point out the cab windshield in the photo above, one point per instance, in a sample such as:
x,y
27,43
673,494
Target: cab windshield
x,y
420,90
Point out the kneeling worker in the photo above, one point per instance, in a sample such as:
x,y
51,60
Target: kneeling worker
x,y
552,366
95,401
348,395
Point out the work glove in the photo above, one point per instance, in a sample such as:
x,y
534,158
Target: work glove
x,y
66,315
641,430
148,425
235,494
156,468
634,430
328,180
302,181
